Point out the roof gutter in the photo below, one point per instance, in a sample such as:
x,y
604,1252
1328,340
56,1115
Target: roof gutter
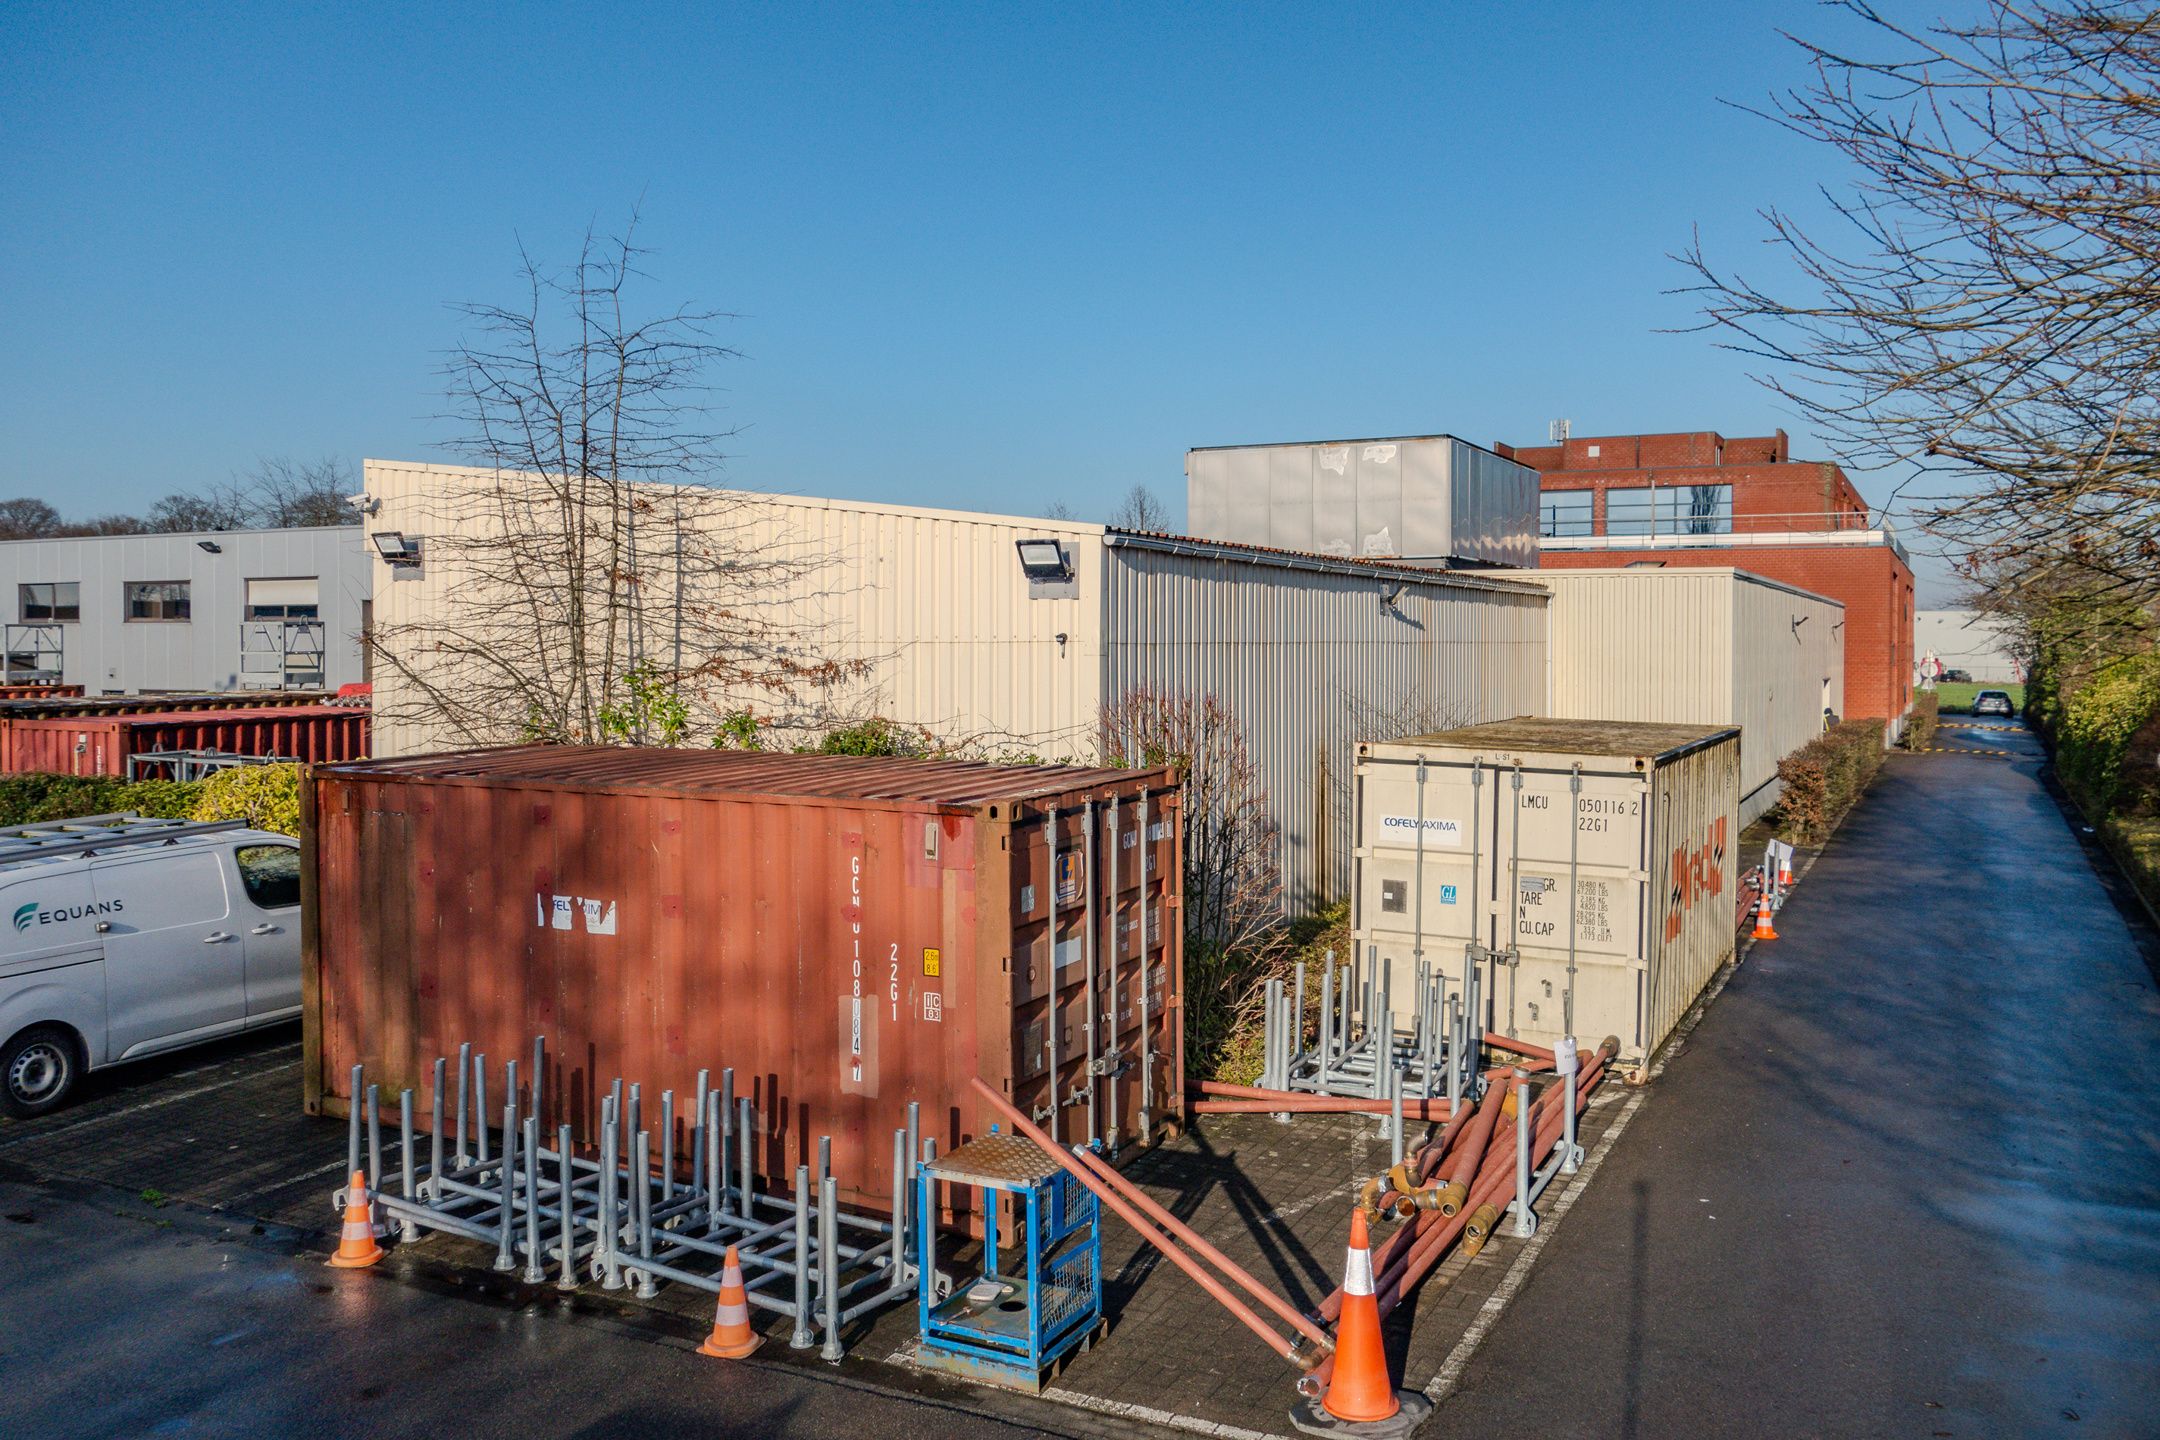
x,y
1316,564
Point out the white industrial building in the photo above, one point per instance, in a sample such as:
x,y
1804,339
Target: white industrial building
x,y
1698,646
941,625
220,610
1981,645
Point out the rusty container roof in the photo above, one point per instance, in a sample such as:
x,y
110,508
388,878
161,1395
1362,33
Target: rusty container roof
x,y
859,779
1538,733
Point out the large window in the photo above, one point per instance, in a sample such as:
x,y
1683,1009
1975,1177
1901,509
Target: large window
x,y
45,603
1669,510
157,600
1565,512
283,599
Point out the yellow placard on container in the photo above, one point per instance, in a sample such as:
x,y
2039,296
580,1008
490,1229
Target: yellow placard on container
x,y
930,961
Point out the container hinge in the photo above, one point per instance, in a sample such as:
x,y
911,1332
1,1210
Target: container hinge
x,y
1040,1112
1112,1064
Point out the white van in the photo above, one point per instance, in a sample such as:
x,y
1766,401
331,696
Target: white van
x,y
122,937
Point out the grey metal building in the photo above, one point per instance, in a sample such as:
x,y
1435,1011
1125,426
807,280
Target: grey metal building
x,y
1426,499
223,610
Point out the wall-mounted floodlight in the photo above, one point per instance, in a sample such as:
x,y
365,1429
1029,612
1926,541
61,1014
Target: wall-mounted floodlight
x,y
1044,560
397,548
211,546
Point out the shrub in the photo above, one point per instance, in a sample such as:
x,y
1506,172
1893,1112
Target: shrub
x,y
876,736
1825,778
27,799
1920,726
2097,722
267,797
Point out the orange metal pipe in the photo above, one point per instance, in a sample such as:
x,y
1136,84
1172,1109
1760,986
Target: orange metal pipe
x,y
1321,1105
1289,1350
1520,1047
1178,1228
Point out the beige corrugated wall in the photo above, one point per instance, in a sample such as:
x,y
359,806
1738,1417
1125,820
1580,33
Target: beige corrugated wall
x,y
931,603
1711,646
1312,663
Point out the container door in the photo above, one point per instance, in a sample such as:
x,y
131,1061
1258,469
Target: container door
x,y
175,966
1423,867
269,906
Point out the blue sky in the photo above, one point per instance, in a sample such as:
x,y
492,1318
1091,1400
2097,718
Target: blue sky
x,y
983,257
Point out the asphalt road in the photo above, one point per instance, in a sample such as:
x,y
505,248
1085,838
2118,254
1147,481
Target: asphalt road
x,y
124,1319
1904,1178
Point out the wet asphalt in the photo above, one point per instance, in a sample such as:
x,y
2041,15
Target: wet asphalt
x,y
1903,1179
120,1318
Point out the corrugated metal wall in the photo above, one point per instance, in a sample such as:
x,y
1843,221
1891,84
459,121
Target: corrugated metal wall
x,y
1312,662
107,652
930,605
1698,646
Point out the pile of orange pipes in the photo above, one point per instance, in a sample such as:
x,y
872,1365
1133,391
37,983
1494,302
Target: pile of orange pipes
x,y
1477,1153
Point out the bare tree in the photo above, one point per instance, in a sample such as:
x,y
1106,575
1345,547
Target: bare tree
x,y
1985,312
1140,510
1058,510
27,518
279,493
181,513
603,591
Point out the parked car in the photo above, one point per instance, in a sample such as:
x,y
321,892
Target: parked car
x,y
1993,702
1956,677
122,938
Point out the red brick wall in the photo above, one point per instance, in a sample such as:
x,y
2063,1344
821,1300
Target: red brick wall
x,y
1766,480
1874,584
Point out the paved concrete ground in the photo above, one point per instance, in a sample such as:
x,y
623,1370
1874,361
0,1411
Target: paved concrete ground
x,y
1904,1179
124,1319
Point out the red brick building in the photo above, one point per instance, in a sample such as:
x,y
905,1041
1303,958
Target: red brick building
x,y
1702,499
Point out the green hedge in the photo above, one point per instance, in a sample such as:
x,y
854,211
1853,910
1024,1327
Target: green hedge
x,y
25,799
1920,725
2094,724
1825,778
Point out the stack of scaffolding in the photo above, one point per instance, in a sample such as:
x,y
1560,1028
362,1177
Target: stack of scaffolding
x,y
660,1198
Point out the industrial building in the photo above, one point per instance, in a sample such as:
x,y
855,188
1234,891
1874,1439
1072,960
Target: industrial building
x,y
1013,635
1981,645
1698,647
1430,499
221,610
1701,499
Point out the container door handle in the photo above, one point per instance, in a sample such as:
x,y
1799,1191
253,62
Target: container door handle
x,y
215,937
264,929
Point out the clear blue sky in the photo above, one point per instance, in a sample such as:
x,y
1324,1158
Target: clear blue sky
x,y
984,257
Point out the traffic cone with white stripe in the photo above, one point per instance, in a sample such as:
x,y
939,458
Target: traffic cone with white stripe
x,y
1784,872
731,1337
1360,1390
356,1243
1763,928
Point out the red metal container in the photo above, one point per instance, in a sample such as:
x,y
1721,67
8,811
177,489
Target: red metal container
x,y
848,934
101,744
44,707
39,692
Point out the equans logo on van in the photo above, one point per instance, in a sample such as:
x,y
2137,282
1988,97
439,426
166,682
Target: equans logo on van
x,y
31,914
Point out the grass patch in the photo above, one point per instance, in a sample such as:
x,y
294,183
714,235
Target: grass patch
x,y
1957,699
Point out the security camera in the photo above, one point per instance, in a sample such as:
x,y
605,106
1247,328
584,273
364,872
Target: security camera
x,y
365,504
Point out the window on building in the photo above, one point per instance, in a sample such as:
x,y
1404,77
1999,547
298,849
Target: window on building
x,y
283,599
60,600
157,600
1565,512
1669,510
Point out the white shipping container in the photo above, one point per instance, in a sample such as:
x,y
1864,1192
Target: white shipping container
x,y
1587,869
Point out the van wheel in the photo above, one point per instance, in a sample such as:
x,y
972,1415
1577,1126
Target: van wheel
x,y
37,1070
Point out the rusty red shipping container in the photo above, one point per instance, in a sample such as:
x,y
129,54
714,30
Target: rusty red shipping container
x,y
848,934
39,692
101,744
45,707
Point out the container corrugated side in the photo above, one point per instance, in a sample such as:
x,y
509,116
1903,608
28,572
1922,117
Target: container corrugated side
x,y
844,954
100,744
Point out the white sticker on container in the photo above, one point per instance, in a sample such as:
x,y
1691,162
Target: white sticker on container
x,y
933,1005
1438,831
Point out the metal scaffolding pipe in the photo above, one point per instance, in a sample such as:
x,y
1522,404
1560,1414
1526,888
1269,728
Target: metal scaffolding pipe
x,y
1295,1352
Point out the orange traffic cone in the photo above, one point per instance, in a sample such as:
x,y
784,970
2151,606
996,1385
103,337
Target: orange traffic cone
x,y
1360,1390
1763,929
356,1244
1784,872
731,1337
